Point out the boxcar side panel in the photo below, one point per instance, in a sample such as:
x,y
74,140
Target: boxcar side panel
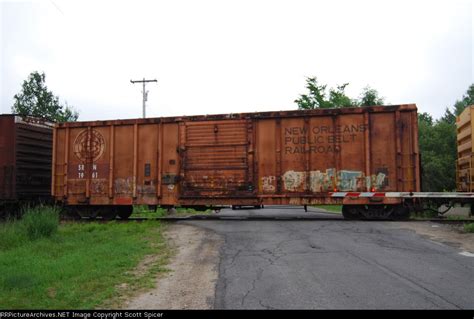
x,y
383,166
294,160
33,149
170,186
352,172
97,164
147,182
216,159
124,160
268,157
324,154
7,158
25,158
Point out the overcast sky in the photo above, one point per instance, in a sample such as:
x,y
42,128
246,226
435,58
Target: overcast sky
x,y
234,56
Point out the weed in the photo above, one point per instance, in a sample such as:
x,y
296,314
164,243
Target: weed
x,y
40,221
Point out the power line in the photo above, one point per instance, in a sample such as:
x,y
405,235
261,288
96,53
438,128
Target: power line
x,y
145,92
54,4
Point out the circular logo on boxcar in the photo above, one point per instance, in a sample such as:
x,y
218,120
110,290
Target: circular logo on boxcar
x,y
89,145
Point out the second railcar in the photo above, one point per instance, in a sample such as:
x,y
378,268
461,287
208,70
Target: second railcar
x,y
25,161
274,158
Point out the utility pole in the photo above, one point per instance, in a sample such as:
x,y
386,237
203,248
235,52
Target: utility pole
x,y
145,93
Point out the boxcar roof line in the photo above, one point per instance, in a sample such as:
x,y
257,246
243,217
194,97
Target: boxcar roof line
x,y
258,115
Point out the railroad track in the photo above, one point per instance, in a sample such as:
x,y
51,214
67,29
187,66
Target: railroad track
x,y
268,218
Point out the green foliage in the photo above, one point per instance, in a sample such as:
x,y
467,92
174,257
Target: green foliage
x,y
370,97
320,97
40,221
466,100
11,235
36,100
330,208
37,222
142,211
469,228
437,142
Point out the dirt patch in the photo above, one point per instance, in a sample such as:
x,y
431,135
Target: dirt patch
x,y
451,235
191,282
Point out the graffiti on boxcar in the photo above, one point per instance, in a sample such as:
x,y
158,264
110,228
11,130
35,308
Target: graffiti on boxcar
x,y
293,180
98,186
123,186
147,189
320,139
343,180
321,181
268,183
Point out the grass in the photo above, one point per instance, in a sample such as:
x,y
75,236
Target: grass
x,y
144,211
469,228
330,208
76,266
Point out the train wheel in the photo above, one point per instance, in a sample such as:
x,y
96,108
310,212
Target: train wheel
x,y
124,212
372,212
351,212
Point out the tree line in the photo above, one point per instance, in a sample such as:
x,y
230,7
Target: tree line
x,y
437,137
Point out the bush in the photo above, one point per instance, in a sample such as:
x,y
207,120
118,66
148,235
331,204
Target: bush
x,y
40,221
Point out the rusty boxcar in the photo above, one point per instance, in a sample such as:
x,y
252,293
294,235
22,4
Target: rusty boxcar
x,y
25,160
275,158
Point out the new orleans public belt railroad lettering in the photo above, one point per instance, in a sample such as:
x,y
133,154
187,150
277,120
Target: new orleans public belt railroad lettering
x,y
321,139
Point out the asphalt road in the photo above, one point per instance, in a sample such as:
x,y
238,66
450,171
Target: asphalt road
x,y
335,265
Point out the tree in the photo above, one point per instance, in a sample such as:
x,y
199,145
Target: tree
x,y
370,97
36,100
437,140
318,97
466,100
448,117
